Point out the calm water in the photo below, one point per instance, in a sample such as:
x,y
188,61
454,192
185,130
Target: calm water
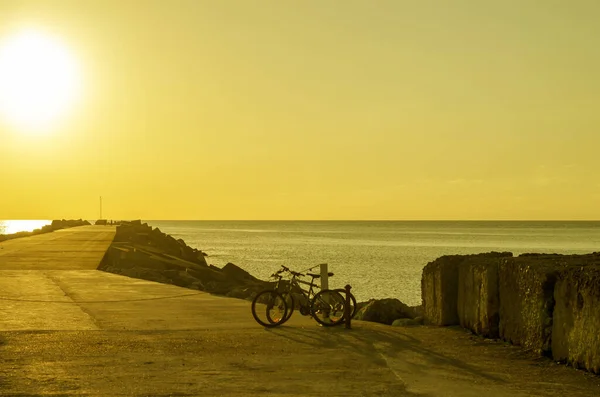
x,y
379,259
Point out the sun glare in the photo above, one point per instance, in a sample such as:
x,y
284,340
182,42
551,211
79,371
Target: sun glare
x,y
39,80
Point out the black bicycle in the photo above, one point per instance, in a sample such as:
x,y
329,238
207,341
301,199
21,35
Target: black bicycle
x,y
286,288
326,307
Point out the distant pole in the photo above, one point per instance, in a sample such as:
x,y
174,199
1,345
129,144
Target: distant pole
x,y
100,207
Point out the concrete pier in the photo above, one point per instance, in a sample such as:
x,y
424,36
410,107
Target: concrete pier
x,y
68,329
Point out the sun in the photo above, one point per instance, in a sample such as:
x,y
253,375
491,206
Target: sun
x,y
39,80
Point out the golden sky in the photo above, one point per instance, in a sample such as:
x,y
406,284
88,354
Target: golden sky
x,y
320,109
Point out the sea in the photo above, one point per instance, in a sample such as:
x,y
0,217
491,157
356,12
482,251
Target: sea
x,y
378,259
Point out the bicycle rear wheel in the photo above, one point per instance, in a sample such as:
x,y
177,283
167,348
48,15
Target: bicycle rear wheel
x,y
352,301
269,308
327,308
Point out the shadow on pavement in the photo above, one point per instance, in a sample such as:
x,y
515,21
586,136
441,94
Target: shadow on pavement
x,y
376,344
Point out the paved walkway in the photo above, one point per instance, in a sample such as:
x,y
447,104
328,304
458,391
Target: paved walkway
x,y
67,329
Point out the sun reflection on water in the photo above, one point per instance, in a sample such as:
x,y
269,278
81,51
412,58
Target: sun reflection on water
x,y
14,226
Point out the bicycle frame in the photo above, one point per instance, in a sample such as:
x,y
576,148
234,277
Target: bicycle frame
x,y
294,288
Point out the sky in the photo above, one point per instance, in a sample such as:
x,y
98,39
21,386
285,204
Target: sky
x,y
314,109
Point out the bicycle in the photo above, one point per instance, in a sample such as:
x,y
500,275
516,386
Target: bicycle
x,y
328,301
326,306
290,303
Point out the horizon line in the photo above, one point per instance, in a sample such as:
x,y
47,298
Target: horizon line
x,y
314,220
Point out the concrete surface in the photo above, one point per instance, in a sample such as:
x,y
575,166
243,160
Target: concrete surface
x,y
66,329
75,248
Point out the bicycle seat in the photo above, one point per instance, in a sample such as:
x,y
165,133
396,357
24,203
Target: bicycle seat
x,y
318,275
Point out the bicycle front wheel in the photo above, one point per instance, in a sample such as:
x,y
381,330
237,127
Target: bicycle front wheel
x,y
269,308
327,308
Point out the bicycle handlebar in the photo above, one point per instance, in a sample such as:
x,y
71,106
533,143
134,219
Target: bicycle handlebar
x,y
287,270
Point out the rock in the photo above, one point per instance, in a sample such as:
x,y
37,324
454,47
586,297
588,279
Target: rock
x,y
144,235
407,322
417,309
237,273
384,311
150,254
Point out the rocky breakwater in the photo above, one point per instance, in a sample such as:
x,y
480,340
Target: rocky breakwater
x,y
140,251
55,225
546,303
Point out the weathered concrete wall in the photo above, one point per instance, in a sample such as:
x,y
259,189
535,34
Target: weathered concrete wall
x,y
576,323
526,286
547,303
440,287
439,290
478,294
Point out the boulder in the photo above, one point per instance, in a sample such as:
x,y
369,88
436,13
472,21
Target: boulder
x,y
576,319
152,263
237,273
407,322
384,311
143,235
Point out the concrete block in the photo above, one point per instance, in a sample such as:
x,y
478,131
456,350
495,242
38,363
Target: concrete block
x,y
440,286
439,290
478,295
526,286
576,325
